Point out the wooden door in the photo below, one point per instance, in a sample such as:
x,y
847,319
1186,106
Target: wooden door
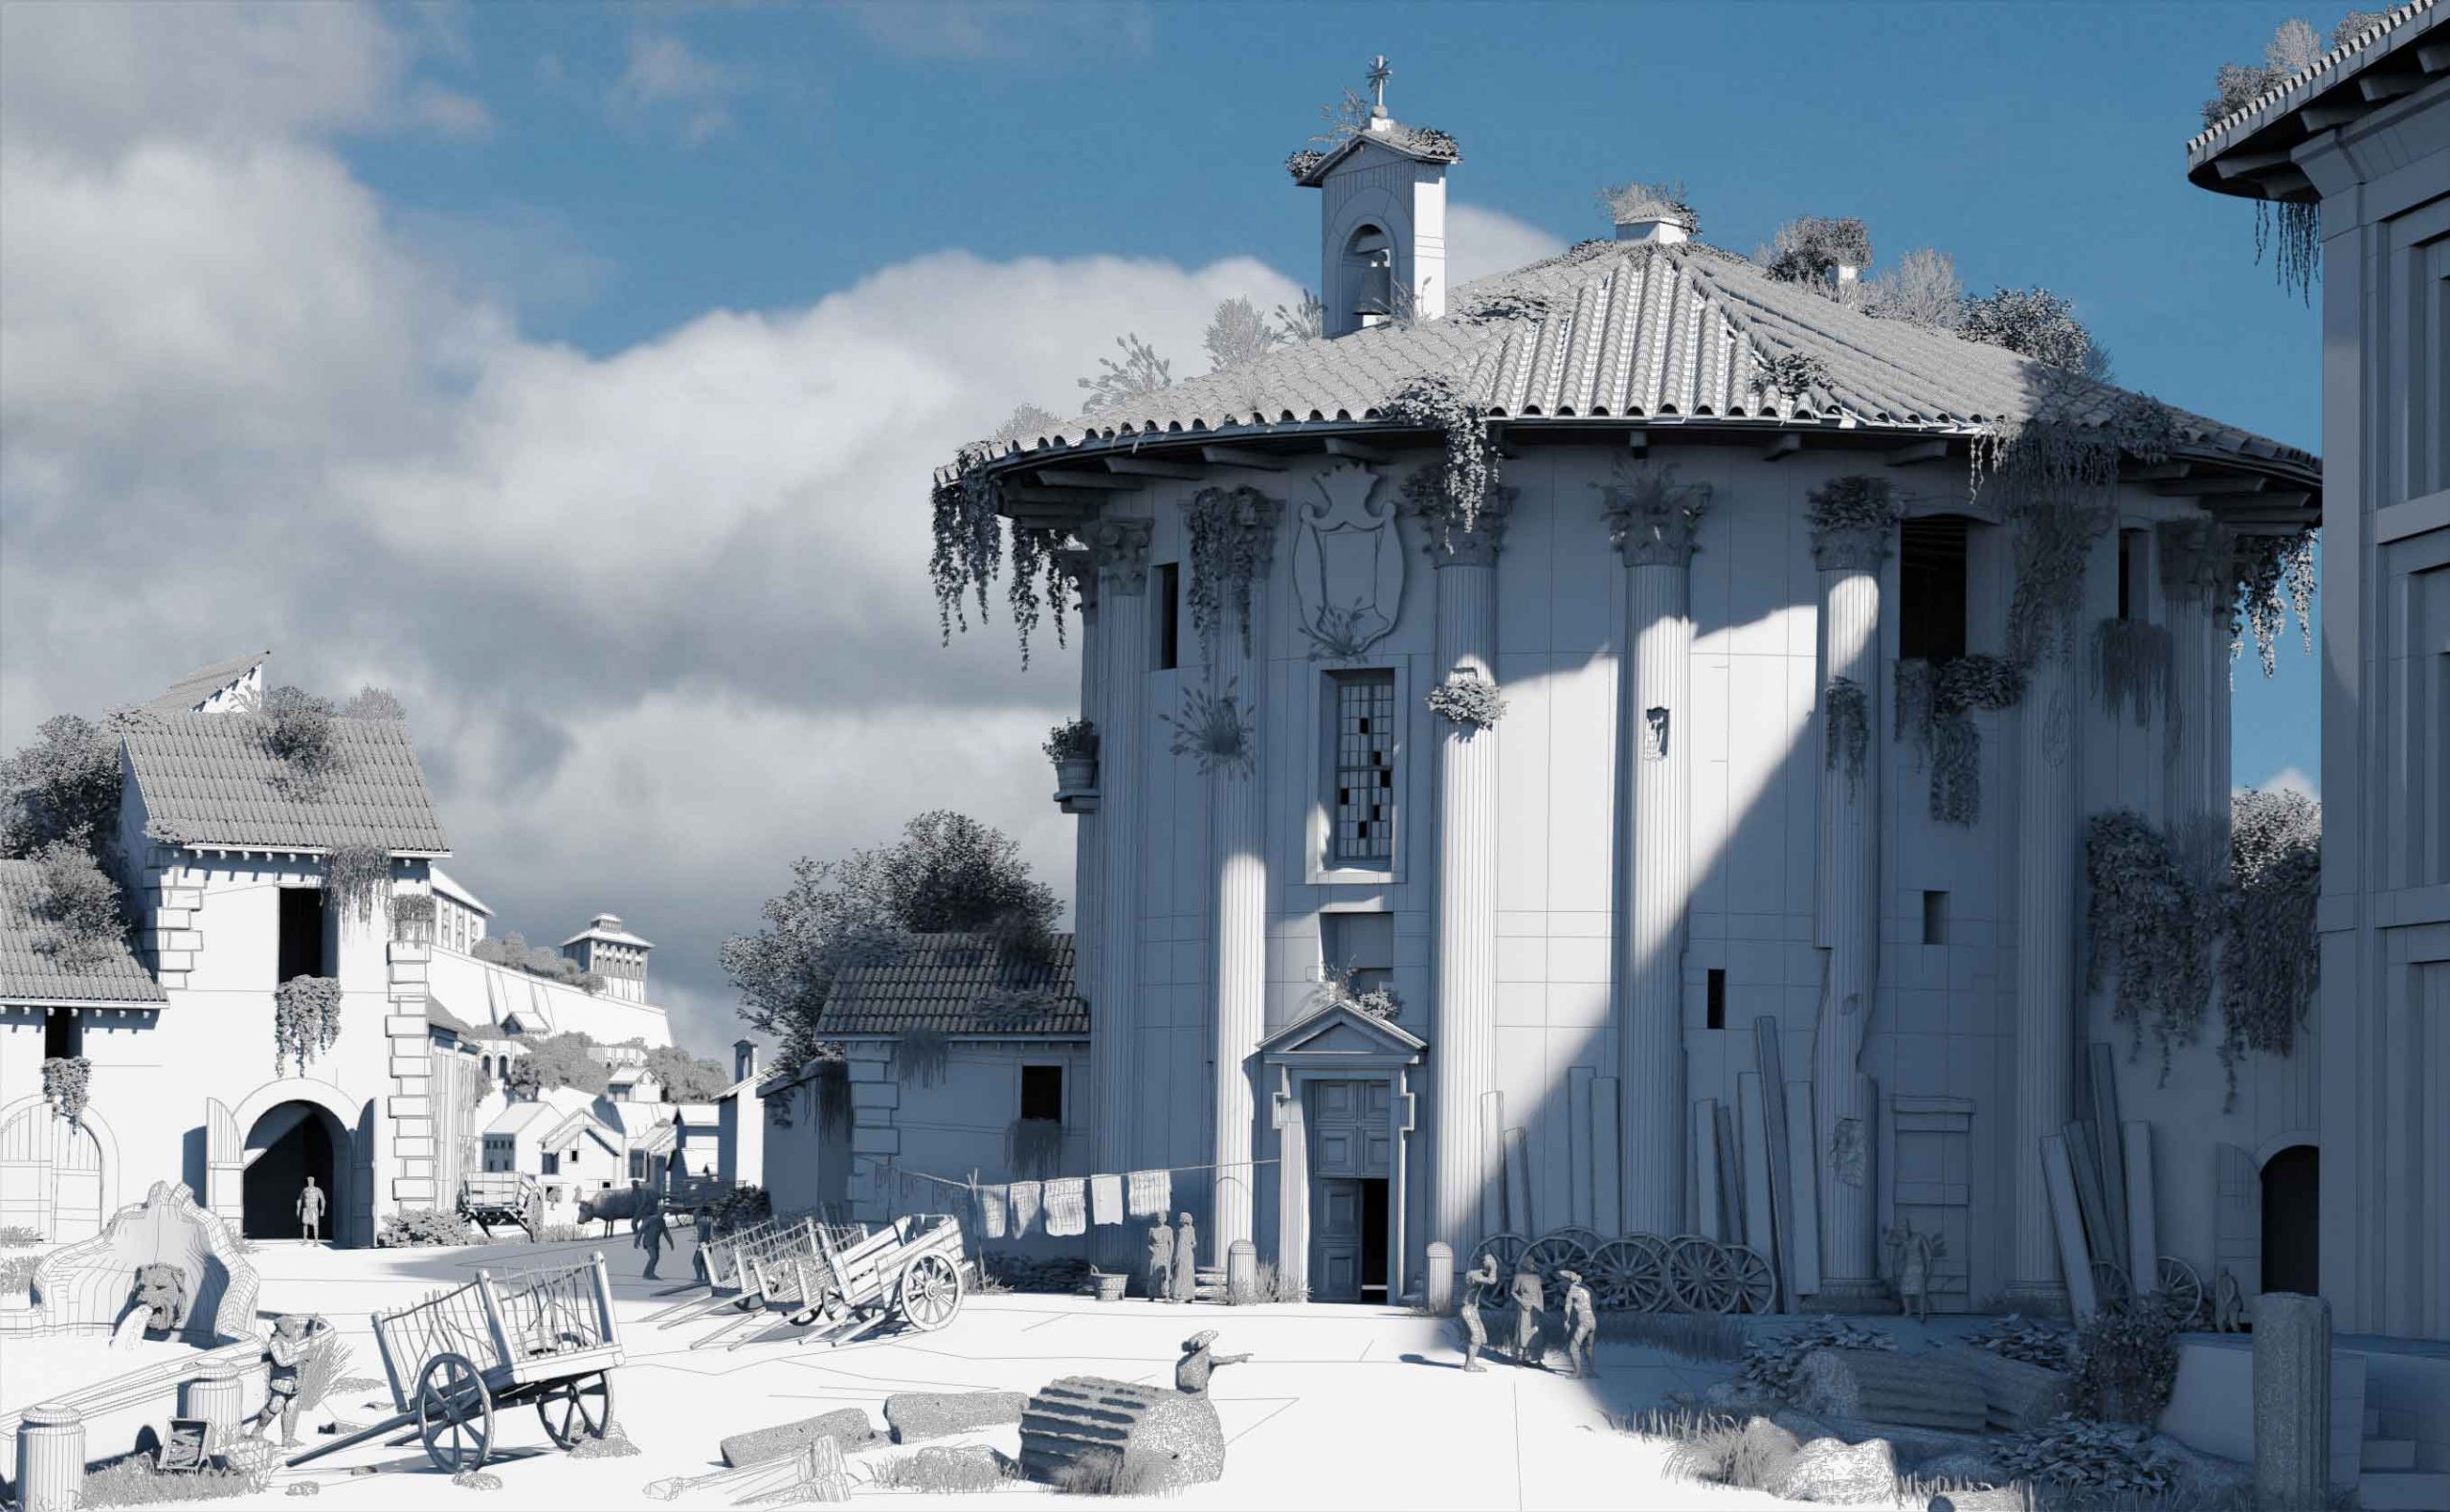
x,y
51,1176
1335,1240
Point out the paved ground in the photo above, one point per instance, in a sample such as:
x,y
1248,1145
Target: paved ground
x,y
1344,1407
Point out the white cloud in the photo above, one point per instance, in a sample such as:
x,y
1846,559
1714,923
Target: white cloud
x,y
2290,779
1481,241
660,618
664,71
1004,29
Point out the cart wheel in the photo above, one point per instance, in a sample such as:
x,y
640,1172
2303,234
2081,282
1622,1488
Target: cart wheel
x,y
1699,1275
1504,1247
2110,1285
2181,1290
930,1292
579,1409
1630,1274
1552,1253
454,1414
1756,1284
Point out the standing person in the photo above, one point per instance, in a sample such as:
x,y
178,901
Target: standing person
x,y
705,1234
648,1232
1528,1302
310,1210
1161,1259
1582,1326
1186,1259
1476,1333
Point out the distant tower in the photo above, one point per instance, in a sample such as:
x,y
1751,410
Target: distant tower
x,y
1382,222
744,1059
612,953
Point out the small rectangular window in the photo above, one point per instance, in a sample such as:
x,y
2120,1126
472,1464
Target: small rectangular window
x,y
1168,609
1042,1093
301,944
1364,796
552,1163
1930,588
1717,997
2132,564
1935,918
1361,944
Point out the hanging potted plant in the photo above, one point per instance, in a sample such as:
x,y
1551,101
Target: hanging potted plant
x,y
1073,747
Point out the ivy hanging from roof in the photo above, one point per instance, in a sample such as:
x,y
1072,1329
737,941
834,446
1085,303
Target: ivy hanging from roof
x,y
67,1085
2271,575
1934,714
1233,533
1436,401
306,1021
968,553
2133,664
357,880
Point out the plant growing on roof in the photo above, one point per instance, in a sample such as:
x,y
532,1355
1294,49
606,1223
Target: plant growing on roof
x,y
80,916
1467,702
1301,161
1850,729
1336,988
2132,662
2270,960
1304,321
1665,199
1436,401
1117,385
67,1082
1922,289
2271,575
298,730
1214,730
1236,334
306,1021
374,703
357,878
1232,534
1810,249
2036,323
2296,224
1787,377
65,785
1852,502
2154,910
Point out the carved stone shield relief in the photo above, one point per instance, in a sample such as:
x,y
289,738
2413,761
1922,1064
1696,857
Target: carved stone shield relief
x,y
1348,563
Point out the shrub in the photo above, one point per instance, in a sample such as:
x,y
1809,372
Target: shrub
x,y
1755,1453
2126,1361
374,703
945,1470
63,787
16,1235
2097,1457
80,916
132,1482
17,1275
2031,323
297,729
421,1228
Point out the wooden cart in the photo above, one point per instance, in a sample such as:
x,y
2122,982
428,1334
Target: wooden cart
x,y
505,1198
853,1279
544,1338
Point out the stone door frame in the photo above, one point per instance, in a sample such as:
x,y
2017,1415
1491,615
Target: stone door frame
x,y
1339,1043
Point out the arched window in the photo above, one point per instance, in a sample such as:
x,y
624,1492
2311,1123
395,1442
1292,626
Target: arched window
x,y
1369,274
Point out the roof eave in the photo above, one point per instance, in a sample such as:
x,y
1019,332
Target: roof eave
x,y
2327,96
144,1005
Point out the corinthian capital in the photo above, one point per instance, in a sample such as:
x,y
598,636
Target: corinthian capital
x,y
1080,566
2195,560
1850,547
1650,517
1443,534
1120,548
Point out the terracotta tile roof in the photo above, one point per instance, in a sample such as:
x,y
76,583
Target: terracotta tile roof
x,y
207,780
2399,29
182,695
29,976
1635,330
938,982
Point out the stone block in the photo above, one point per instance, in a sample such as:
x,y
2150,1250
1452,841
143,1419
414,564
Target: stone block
x,y
873,1140
875,1095
913,1415
418,1148
417,1189
1921,1391
179,896
2016,1397
1834,1472
865,1071
406,952
409,1106
413,1085
407,1026
848,1426
1088,1434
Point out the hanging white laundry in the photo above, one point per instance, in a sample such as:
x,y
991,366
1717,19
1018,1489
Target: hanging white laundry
x,y
1067,1207
1025,1205
1105,1200
993,1208
1152,1194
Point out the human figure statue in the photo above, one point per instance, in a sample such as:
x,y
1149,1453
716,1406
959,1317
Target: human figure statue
x,y
1914,1252
1161,1261
292,1335
648,1232
310,1210
1476,1333
2228,1304
1528,1302
1186,1259
704,1227
1582,1326
1191,1370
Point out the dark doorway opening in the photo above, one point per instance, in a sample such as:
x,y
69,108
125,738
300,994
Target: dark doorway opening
x,y
2292,1219
299,1140
1931,587
1373,1238
302,933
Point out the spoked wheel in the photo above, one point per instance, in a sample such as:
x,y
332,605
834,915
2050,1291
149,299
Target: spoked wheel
x,y
1630,1274
454,1414
1755,1285
2110,1286
930,1292
574,1412
1504,1247
1552,1253
1588,1238
2181,1289
1699,1275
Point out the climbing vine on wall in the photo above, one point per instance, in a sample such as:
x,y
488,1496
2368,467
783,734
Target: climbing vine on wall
x,y
1233,533
306,1021
1437,402
2153,915
2269,576
357,880
1935,704
67,1082
2131,665
1850,729
2271,959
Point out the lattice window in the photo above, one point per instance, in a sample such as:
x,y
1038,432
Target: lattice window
x,y
1365,770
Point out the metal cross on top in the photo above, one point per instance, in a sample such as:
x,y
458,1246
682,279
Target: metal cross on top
x,y
1379,71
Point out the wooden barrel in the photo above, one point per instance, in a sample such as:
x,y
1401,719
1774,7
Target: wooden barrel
x,y
50,1458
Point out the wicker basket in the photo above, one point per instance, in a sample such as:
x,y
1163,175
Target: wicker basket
x,y
1110,1285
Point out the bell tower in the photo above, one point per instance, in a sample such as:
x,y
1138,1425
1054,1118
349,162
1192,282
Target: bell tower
x,y
1382,219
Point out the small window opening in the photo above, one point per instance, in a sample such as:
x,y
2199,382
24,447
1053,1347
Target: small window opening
x,y
1168,609
1935,918
1042,1093
302,933
2132,568
1717,997
1930,589
63,1035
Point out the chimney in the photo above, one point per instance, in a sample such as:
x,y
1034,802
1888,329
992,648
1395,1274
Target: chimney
x,y
744,1061
1654,213
1663,228
1848,272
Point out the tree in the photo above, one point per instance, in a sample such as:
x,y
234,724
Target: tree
x,y
947,872
1920,290
1810,248
1236,333
559,1060
1141,373
2293,46
65,785
1027,420
1305,321
2036,323
374,703
686,1077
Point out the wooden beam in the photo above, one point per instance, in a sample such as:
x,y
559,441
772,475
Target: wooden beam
x,y
1049,517
2151,472
2379,87
1637,441
2210,485
2322,118
1075,478
1241,457
2237,165
1906,455
1084,498
2435,56
2280,183
1787,445
1150,467
1358,451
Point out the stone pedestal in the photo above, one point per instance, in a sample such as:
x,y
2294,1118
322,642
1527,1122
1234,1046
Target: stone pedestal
x,y
1241,1271
2047,836
50,1458
219,1396
2292,1402
1437,1291
1119,549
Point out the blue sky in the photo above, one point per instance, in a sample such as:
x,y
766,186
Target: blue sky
x,y
575,371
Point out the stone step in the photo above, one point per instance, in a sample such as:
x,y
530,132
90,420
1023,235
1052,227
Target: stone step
x,y
2388,1453
2404,1491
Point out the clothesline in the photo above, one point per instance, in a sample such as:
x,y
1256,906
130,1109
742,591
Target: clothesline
x,y
964,1183
1068,1204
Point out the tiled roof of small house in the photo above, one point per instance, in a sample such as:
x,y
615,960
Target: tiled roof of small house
x,y
958,984
1641,330
29,976
2395,34
210,780
182,695
440,1018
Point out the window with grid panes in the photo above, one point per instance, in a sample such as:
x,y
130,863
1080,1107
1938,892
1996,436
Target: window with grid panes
x,y
1365,770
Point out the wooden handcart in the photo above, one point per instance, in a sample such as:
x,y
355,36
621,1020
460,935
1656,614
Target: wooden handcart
x,y
857,1279
505,1198
544,1337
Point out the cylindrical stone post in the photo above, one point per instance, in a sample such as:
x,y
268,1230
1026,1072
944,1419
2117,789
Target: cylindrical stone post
x,y
1111,1245
1437,1285
1653,528
1293,1194
1848,911
1121,549
2046,840
219,1396
2292,1402
1239,830
1241,1271
50,1458
1463,1032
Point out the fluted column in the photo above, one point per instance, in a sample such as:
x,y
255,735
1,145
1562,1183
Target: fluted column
x,y
1848,911
2046,840
1120,552
2193,558
1463,1025
1237,827
1111,1245
1653,525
